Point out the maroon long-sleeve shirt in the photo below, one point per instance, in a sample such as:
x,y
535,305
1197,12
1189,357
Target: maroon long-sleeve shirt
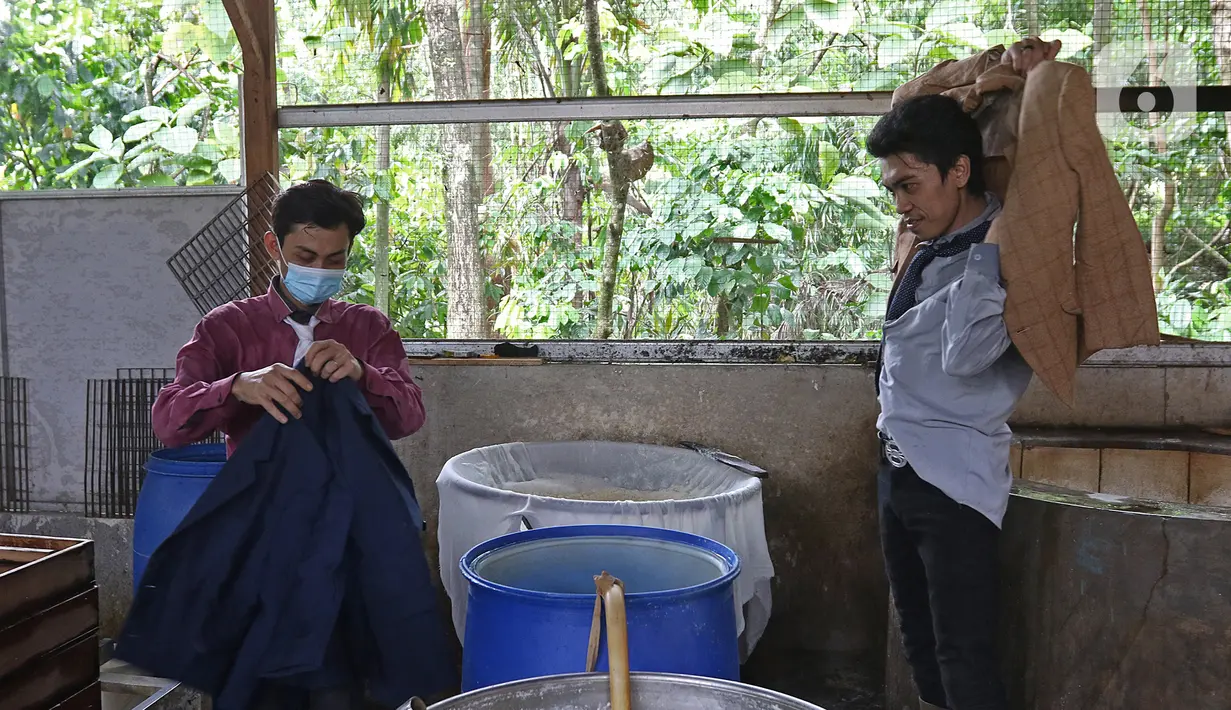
x,y
251,334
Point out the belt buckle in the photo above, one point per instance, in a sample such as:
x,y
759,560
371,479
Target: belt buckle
x,y
893,454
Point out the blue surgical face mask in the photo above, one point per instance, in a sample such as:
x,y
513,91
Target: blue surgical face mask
x,y
309,285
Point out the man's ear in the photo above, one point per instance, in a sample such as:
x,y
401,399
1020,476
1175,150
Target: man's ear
x,y
960,172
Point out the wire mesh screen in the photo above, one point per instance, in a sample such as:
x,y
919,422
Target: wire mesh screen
x,y
14,446
120,438
740,229
118,93
345,51
226,260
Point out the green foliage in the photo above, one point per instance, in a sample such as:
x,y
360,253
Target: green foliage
x,y
744,229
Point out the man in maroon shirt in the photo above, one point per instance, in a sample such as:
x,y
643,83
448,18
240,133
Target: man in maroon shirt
x,y
241,360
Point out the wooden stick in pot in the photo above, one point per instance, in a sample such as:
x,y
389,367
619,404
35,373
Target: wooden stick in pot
x,y
612,592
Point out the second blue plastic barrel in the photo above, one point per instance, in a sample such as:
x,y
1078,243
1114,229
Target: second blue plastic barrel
x,y
174,480
531,601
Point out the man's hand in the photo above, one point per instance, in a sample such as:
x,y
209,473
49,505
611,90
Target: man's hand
x,y
329,359
274,386
1026,54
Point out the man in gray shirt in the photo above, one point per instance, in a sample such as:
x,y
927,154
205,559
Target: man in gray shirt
x,y
948,381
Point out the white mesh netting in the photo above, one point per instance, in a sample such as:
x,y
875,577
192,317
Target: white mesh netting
x,y
488,492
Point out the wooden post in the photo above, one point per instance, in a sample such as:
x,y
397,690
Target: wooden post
x,y
256,29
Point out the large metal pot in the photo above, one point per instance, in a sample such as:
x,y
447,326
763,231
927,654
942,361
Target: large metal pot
x,y
650,691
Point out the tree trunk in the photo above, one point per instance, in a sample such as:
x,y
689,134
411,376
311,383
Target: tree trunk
x,y
380,255
762,37
612,137
467,317
478,49
573,195
1220,18
1032,17
722,323
1103,16
1158,227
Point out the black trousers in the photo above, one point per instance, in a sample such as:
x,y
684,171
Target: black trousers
x,y
942,559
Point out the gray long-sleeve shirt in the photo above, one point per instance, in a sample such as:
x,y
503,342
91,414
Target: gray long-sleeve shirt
x,y
950,378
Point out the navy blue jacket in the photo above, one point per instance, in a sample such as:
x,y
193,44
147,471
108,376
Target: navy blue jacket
x,y
300,564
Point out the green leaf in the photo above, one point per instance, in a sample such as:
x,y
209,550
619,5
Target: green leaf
x,y
1001,37
718,31
108,176
183,38
46,87
141,131
893,50
882,27
877,80
836,17
199,177
79,166
776,231
339,37
829,158
745,230
210,153
1071,41
216,19
791,125
782,29
189,110
156,180
964,33
180,139
170,8
946,12
867,222
101,138
149,113
383,187
226,133
1180,315
856,186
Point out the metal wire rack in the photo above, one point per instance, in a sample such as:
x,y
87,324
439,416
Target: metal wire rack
x,y
225,260
120,438
14,446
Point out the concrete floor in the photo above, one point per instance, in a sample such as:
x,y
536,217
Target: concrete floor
x,y
853,684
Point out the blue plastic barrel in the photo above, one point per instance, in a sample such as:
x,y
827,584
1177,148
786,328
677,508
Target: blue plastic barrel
x,y
531,601
174,480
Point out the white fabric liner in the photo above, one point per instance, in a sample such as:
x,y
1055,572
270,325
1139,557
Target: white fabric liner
x,y
484,493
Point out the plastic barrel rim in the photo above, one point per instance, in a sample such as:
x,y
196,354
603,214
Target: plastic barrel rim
x,y
521,625
479,553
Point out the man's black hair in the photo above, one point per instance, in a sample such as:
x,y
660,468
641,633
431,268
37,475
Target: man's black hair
x,y
319,203
934,129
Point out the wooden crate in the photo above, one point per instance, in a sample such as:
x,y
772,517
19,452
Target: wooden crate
x,y
48,624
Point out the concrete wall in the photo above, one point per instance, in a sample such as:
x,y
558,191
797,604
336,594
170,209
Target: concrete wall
x,y
87,290
810,426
